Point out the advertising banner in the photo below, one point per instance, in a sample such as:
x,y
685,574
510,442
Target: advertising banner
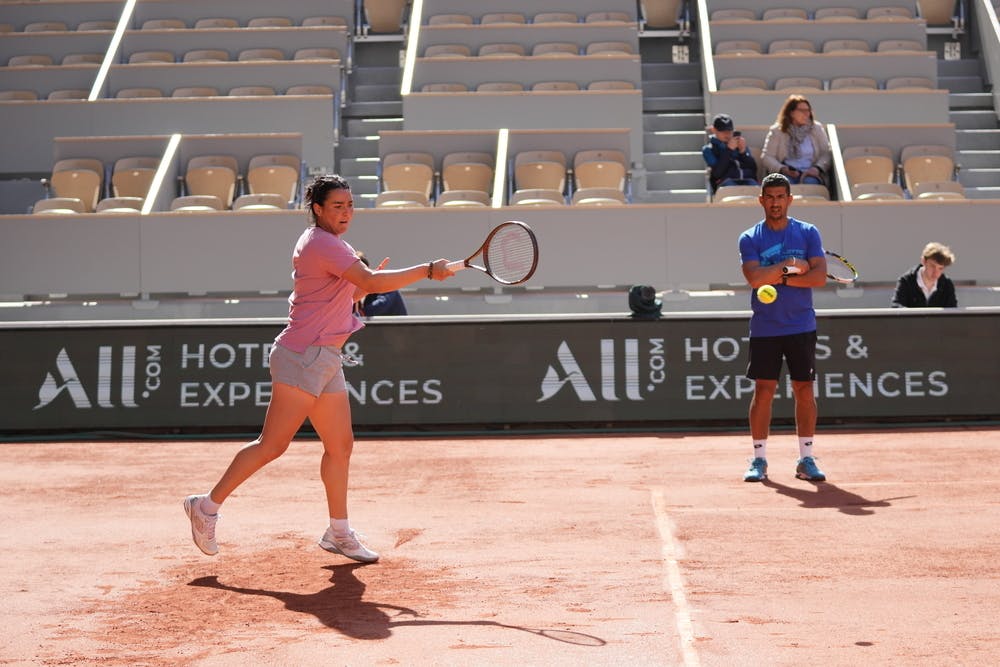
x,y
582,371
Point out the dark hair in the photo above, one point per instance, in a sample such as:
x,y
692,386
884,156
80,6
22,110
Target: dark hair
x,y
776,180
784,119
320,188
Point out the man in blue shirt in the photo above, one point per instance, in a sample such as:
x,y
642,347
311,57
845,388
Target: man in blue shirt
x,y
788,254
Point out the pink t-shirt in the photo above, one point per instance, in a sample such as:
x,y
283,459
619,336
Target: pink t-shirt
x,y
321,306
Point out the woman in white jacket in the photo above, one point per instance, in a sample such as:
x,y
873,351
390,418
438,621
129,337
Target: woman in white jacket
x,y
797,145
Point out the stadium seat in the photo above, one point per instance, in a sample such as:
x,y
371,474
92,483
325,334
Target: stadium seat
x,y
809,192
846,46
274,174
317,53
401,199
412,171
853,83
68,94
599,169
78,178
58,206
385,16
463,198
31,60
195,91
6,27
46,26
444,88
610,85
502,18
555,50
798,83
551,86
264,201
467,171
216,23
938,190
900,46
212,175
743,83
868,164
555,17
736,194
877,191
82,59
270,22
661,14
737,47
938,13
500,50
500,87
142,57
120,205
909,83
163,24
732,14
598,197
251,91
606,17
891,13
197,203
608,49
836,14
309,89
791,46
543,171
784,14
324,21
136,93
925,163
86,26
252,55
18,95
132,176
450,19
447,51
537,197
206,55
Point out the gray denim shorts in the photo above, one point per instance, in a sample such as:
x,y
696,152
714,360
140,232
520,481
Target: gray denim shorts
x,y
318,370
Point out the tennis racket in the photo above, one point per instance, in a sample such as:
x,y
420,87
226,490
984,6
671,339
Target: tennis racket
x,y
509,254
837,269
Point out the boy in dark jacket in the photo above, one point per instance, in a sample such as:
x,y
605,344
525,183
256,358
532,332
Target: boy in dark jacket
x,y
925,285
727,155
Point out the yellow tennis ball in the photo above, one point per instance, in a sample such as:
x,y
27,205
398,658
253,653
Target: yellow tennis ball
x,y
767,293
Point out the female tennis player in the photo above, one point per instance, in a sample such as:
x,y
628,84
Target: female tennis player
x,y
306,366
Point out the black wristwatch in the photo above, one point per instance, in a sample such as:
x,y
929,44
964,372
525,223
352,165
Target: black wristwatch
x,y
784,279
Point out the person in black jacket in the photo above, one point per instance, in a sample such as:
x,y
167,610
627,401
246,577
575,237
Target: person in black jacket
x,y
925,285
727,155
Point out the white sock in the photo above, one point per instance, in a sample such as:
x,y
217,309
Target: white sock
x,y
340,527
805,447
760,449
207,506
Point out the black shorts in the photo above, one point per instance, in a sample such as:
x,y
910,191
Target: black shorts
x,y
767,352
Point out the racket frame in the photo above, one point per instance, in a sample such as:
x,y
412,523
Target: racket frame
x,y
845,262
467,263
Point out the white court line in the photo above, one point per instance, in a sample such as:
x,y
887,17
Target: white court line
x,y
672,580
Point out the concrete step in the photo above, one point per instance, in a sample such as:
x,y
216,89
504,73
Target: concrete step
x,y
653,71
373,109
376,93
671,160
683,196
366,127
970,101
974,119
657,122
980,177
981,140
358,166
974,159
673,141
676,179
363,185
671,88
651,104
357,147
961,84
982,193
961,67
376,76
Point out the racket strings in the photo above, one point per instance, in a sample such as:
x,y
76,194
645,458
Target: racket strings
x,y
511,254
840,270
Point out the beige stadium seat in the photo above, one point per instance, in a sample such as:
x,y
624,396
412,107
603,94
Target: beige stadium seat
x,y
610,85
143,57
924,163
58,206
136,93
467,171
317,53
798,83
251,55
275,174
450,19
463,198
938,13
661,14
18,95
876,191
412,171
309,89
385,16
447,51
893,13
732,14
270,22
743,83
784,14
31,60
551,86
264,201
163,24
206,56
807,192
846,46
538,197
737,47
132,176
540,170
837,14
79,178
120,205
195,91
68,94
869,164
737,194
555,49
607,17
46,26
500,87
598,197
502,18
251,91
6,27
500,50
85,26
900,46
197,203
853,83
82,59
555,17
216,23
401,199
608,49
444,88
909,83
212,175
791,46
599,169
930,190
324,21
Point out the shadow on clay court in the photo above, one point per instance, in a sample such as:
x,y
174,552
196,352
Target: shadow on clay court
x,y
823,495
342,607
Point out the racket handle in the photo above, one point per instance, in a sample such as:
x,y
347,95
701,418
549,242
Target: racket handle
x,y
457,265
787,270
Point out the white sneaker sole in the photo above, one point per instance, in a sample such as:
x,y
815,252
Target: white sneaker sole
x,y
332,548
188,509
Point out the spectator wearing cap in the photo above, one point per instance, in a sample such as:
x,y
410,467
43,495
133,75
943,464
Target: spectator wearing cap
x,y
727,155
796,145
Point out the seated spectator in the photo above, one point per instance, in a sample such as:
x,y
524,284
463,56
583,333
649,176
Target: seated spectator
x,y
797,145
386,303
727,155
925,285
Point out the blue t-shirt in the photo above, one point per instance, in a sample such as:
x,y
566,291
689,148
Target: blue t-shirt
x,y
792,312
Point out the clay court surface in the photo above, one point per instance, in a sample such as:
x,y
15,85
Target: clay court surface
x,y
585,550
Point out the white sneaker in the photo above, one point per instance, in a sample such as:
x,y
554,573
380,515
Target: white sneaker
x,y
348,546
202,525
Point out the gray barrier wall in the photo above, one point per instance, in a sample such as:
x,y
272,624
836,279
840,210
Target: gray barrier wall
x,y
591,372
